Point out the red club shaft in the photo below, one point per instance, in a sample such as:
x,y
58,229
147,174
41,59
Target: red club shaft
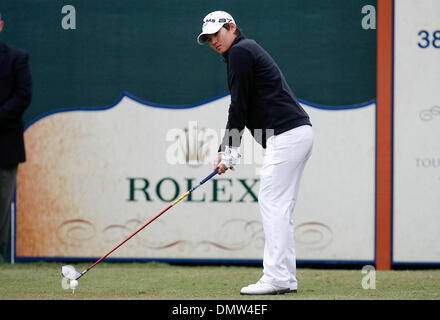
x,y
128,238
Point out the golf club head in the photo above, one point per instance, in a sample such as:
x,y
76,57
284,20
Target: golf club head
x,y
70,272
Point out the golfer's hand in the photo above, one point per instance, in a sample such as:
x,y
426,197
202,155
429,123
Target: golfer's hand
x,y
217,163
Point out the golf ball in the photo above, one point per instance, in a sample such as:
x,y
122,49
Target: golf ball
x,y
73,284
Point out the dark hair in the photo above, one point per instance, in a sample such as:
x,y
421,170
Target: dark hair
x,y
237,32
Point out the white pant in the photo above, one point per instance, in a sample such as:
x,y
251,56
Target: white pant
x,y
283,164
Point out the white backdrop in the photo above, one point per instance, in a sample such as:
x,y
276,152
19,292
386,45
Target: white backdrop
x,y
94,176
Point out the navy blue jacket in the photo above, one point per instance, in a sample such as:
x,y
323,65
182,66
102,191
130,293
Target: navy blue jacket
x,y
15,97
260,96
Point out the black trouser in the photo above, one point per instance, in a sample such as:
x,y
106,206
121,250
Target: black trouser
x,y
7,184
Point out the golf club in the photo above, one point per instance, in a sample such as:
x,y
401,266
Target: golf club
x,y
71,273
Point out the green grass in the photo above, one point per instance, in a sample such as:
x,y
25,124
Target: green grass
x,y
160,281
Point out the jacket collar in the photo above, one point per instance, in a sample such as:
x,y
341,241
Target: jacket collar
x,y
236,40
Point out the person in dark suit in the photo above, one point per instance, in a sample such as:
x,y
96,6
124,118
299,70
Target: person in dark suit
x,y
15,97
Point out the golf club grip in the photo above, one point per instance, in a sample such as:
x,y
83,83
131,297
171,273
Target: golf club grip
x,y
166,209
210,176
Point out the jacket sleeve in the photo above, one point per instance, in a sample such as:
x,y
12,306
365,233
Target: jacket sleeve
x,y
240,78
21,95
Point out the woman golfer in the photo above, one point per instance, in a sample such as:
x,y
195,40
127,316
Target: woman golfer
x,y
262,101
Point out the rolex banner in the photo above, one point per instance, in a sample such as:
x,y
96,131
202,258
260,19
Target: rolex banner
x,y
94,176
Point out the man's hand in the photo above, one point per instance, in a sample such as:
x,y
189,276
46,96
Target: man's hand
x,y
227,159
